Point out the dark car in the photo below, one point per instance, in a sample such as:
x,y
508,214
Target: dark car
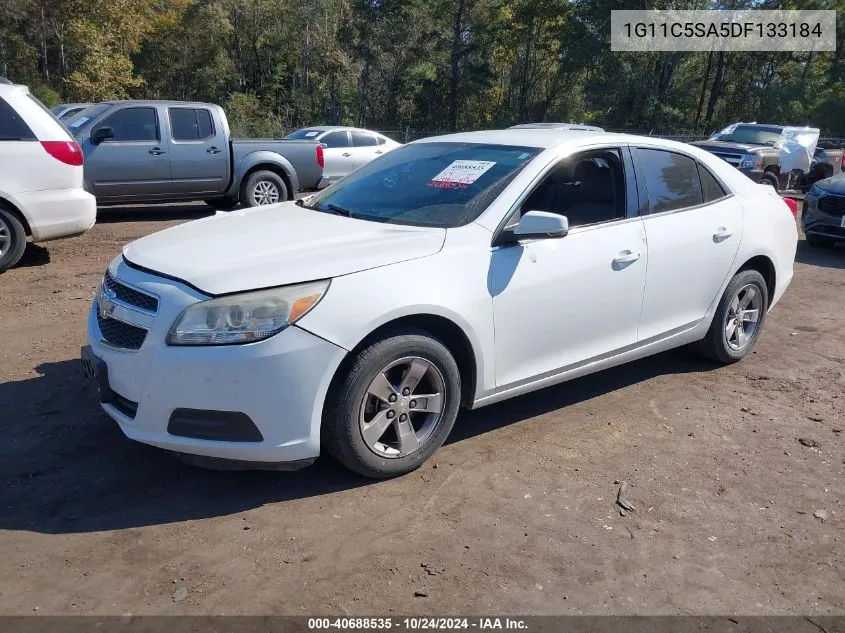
x,y
823,215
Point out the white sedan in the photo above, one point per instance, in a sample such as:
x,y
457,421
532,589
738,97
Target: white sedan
x,y
345,149
457,271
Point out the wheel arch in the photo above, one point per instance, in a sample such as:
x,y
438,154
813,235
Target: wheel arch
x,y
766,267
15,211
277,169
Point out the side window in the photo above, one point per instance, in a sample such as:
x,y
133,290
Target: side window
x,y
12,126
183,124
133,124
588,188
710,187
671,179
206,125
336,139
360,139
381,140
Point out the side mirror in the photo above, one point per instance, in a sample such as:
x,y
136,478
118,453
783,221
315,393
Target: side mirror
x,y
101,134
541,225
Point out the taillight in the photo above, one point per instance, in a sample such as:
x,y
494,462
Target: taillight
x,y
842,164
793,206
68,152
321,160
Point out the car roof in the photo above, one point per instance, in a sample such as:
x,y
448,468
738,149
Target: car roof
x,y
557,126
333,128
528,137
155,102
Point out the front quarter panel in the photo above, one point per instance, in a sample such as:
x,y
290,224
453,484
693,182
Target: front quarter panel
x,y
452,284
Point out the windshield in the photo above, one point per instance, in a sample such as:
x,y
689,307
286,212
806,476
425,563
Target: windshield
x,y
78,120
751,134
306,133
426,184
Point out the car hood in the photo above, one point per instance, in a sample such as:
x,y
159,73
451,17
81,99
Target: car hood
x,y
721,146
277,245
835,185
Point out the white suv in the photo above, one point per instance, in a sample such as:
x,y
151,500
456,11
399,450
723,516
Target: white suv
x,y
41,190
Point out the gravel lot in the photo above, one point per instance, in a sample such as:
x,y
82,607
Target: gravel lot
x,y
515,515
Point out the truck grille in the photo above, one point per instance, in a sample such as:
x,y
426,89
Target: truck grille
x,y
733,159
835,205
130,296
119,334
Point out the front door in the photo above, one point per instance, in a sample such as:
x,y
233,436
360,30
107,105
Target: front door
x,y
133,164
693,228
560,303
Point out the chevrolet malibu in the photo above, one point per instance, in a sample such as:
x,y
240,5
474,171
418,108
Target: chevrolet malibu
x,y
456,271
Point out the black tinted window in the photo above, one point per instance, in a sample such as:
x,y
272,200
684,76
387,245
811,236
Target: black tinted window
x,y
587,188
709,185
190,124
206,126
360,139
381,140
133,124
336,139
671,179
12,126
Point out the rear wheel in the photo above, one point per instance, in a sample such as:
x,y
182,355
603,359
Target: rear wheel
x,y
263,188
738,320
819,242
393,406
222,204
12,240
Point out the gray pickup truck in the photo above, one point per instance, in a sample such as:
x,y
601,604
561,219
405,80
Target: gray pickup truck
x,y
750,147
165,151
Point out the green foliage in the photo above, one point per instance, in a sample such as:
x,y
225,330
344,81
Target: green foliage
x,y
427,65
46,95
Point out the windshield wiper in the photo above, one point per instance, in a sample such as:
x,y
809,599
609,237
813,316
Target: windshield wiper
x,y
339,210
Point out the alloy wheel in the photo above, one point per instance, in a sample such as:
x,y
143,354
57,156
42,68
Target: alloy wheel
x,y
743,317
5,237
265,192
402,407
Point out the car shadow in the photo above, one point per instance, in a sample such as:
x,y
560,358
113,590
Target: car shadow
x,y
65,467
153,212
827,257
34,255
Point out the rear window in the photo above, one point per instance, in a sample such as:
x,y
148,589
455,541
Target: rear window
x,y
427,184
190,124
671,179
304,134
12,125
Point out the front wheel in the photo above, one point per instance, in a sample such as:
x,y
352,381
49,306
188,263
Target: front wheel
x,y
393,405
770,179
263,188
12,240
819,242
738,320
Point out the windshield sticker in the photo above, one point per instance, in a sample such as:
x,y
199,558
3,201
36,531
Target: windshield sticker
x,y
78,122
461,174
523,156
311,134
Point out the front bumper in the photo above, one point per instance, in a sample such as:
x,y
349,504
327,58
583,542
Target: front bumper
x,y
822,223
755,174
278,384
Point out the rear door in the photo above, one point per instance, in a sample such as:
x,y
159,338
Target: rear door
x,y
134,163
693,226
337,153
199,162
365,148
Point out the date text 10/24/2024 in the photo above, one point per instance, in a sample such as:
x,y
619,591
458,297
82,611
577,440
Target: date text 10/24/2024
x,y
418,623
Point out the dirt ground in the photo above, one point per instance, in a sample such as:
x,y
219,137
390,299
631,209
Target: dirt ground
x,y
515,515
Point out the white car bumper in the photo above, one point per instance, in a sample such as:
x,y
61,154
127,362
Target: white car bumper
x,y
55,213
260,402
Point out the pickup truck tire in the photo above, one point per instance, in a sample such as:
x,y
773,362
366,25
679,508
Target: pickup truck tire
x,y
768,178
819,242
12,240
222,204
262,188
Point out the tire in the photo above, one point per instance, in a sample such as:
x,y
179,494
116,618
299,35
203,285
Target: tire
x,y
12,240
351,408
222,204
819,242
274,189
723,345
768,178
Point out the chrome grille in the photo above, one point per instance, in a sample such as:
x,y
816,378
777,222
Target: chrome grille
x,y
129,296
119,334
733,159
834,205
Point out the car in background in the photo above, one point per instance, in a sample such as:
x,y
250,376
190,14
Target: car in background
x,y
65,111
165,151
557,126
823,213
455,271
345,148
41,178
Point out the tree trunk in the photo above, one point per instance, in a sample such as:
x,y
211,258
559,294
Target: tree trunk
x,y
703,90
455,60
716,90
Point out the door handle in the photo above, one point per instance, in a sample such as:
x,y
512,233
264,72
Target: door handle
x,y
346,154
625,257
156,151
213,150
722,234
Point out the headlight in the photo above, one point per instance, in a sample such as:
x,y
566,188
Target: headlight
x,y
245,317
752,161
